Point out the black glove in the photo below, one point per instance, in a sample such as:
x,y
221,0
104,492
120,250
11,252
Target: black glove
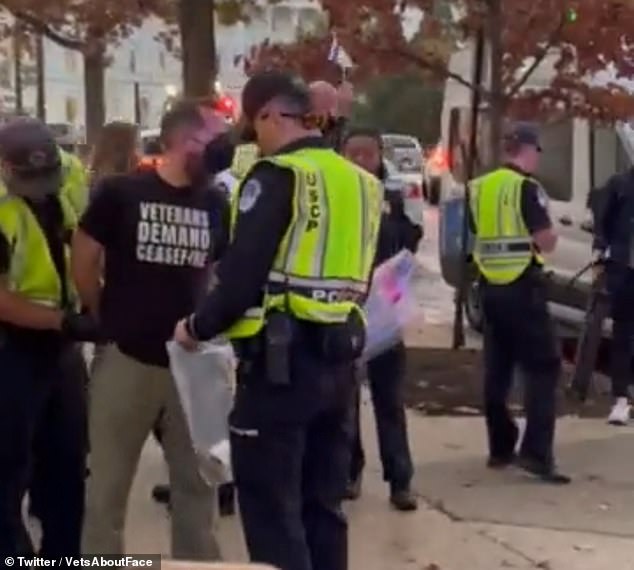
x,y
81,328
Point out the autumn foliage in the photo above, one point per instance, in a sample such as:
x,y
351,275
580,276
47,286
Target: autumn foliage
x,y
579,38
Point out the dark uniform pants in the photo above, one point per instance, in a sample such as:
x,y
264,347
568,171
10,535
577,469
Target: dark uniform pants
x,y
386,376
519,332
43,416
620,285
290,453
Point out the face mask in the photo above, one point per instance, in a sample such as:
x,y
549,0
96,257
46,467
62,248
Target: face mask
x,y
35,189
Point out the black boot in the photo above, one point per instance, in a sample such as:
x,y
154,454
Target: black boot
x,y
161,494
227,499
403,499
546,472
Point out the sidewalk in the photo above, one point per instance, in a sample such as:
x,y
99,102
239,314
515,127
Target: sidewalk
x,y
470,518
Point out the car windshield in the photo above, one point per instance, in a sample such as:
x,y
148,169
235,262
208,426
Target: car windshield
x,y
403,152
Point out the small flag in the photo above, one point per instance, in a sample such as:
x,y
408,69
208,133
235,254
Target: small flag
x,y
337,54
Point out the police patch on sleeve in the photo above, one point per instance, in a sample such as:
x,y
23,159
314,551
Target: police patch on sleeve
x,y
249,195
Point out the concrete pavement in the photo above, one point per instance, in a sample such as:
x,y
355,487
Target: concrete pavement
x,y
470,518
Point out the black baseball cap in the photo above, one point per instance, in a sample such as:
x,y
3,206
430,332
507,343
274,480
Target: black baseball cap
x,y
523,134
29,147
265,86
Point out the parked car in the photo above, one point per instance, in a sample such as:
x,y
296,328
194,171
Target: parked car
x,y
405,152
408,183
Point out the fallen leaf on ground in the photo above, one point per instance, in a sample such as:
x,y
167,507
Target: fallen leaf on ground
x,y
583,547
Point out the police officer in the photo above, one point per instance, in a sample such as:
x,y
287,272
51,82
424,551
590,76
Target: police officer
x,y
42,398
74,182
613,246
289,292
512,228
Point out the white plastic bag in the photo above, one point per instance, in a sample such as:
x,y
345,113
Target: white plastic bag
x,y
390,305
204,380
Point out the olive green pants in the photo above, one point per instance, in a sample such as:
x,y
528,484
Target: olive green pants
x,y
127,399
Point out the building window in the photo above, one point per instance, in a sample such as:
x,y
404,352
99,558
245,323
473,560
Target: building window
x,y
311,21
71,110
70,61
132,62
281,19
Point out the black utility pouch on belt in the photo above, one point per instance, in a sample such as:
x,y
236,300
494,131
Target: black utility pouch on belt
x,y
278,337
342,342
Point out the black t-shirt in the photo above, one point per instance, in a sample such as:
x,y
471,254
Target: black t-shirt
x,y
159,243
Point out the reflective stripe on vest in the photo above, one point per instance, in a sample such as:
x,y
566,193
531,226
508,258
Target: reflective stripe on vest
x,y
32,272
503,248
244,157
323,264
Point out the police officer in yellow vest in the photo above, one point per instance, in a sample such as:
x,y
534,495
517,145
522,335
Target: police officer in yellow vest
x,y
289,292
512,228
74,182
42,405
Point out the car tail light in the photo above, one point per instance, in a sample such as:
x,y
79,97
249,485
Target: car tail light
x,y
439,159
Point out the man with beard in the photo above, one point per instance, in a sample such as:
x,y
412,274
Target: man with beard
x,y
159,232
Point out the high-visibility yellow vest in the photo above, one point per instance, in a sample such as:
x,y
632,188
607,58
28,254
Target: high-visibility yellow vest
x,y
244,157
32,272
323,264
75,182
503,246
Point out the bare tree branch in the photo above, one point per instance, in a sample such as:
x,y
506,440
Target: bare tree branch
x,y
538,58
43,28
436,67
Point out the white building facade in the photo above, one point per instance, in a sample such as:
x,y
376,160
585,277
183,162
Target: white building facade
x,y
142,64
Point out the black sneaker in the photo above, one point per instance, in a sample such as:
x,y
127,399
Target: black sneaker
x,y
404,500
500,462
546,472
227,500
161,494
353,490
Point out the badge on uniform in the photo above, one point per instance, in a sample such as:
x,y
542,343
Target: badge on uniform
x,y
249,195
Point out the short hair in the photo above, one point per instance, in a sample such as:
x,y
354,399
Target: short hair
x,y
365,131
183,114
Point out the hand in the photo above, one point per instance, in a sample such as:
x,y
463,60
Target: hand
x,y
597,271
81,328
345,98
182,336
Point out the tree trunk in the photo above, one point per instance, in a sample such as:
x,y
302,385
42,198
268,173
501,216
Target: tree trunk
x,y
198,46
94,92
18,84
41,77
497,100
